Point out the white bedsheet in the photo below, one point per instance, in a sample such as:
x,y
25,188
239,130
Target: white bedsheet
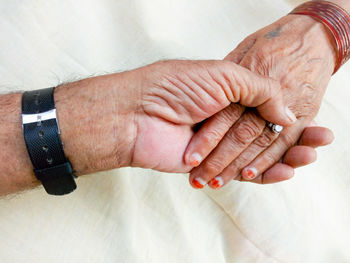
x,y
135,215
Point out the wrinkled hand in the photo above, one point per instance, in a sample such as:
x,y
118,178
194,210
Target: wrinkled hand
x,y
176,95
298,52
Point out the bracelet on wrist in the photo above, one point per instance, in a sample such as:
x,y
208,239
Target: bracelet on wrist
x,y
336,20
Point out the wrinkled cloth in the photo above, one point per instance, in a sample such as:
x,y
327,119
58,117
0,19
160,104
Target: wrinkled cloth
x,y
138,215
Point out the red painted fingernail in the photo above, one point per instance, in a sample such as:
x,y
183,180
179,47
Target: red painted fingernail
x,y
198,182
251,173
195,159
216,182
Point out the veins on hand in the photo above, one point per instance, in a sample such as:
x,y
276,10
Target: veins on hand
x,y
274,33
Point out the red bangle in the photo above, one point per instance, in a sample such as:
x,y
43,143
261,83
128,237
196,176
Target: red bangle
x,y
336,19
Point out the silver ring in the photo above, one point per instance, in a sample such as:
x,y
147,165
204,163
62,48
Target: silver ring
x,y
275,127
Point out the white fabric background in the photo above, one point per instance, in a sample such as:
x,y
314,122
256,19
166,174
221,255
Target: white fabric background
x,y
135,215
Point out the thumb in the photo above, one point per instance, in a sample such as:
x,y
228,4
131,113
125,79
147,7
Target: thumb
x,y
275,111
253,90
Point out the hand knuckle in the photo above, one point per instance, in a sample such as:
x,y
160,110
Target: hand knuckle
x,y
258,62
226,117
308,87
247,130
227,66
307,110
231,113
288,140
243,160
213,167
211,138
265,139
270,159
235,110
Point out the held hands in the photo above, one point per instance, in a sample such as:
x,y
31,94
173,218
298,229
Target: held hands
x,y
296,51
176,95
146,117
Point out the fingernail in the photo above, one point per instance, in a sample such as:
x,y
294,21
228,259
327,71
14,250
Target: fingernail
x,y
290,115
199,182
216,182
195,159
251,173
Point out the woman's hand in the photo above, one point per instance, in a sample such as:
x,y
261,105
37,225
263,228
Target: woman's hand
x,y
298,52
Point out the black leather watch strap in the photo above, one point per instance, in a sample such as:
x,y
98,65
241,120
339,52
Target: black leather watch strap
x,y
41,135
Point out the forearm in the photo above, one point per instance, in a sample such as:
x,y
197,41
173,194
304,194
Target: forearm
x,y
94,124
15,166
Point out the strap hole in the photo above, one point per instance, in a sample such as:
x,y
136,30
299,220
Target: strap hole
x,y
41,134
49,160
45,148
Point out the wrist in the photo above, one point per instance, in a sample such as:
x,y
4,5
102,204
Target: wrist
x,y
96,121
336,20
318,37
